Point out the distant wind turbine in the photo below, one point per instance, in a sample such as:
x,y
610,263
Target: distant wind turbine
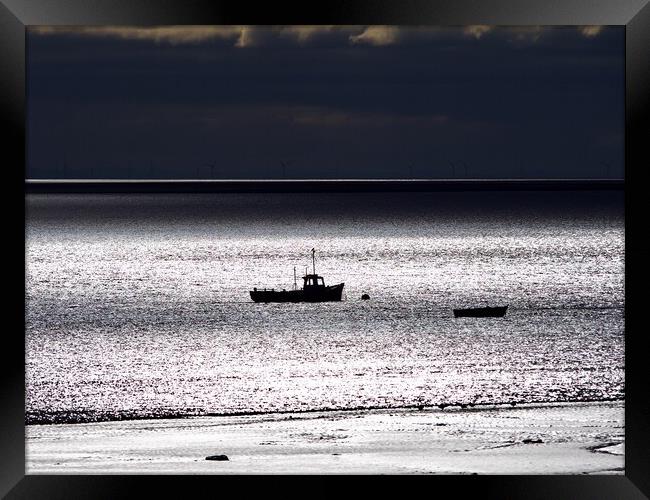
x,y
212,166
453,169
465,168
607,166
284,168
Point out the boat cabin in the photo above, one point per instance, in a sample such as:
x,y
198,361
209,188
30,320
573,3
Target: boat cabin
x,y
313,280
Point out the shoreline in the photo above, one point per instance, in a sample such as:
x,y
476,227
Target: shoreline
x,y
537,438
116,417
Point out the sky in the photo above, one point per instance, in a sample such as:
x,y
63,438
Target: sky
x,y
325,102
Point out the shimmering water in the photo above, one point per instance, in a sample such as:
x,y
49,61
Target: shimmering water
x,y
138,305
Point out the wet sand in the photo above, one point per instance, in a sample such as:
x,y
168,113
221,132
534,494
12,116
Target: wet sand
x,y
576,438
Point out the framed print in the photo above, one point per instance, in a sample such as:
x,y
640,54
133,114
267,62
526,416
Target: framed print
x,y
376,239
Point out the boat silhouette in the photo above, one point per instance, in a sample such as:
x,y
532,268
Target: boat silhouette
x,y
313,290
481,312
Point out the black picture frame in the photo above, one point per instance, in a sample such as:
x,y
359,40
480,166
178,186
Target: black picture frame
x,y
15,15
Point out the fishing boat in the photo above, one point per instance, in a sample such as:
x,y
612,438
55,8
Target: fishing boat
x,y
481,312
313,290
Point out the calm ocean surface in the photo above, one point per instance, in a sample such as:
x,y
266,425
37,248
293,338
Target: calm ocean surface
x,y
138,305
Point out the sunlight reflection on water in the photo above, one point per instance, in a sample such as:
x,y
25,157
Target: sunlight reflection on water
x,y
138,305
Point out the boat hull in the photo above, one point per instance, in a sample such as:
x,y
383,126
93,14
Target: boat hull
x,y
481,312
309,294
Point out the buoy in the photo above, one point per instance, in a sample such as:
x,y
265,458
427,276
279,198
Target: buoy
x,y
365,296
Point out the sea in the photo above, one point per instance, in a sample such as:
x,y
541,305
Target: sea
x,y
138,305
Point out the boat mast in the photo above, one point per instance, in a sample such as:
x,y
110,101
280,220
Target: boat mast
x,y
313,259
295,283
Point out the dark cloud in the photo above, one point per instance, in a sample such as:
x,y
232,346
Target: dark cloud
x,y
352,101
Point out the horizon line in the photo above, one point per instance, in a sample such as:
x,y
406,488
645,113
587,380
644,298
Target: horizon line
x,y
302,180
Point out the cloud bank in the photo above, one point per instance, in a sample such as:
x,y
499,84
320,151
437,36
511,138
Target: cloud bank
x,y
252,36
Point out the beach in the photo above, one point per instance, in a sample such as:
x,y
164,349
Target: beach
x,y
569,438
